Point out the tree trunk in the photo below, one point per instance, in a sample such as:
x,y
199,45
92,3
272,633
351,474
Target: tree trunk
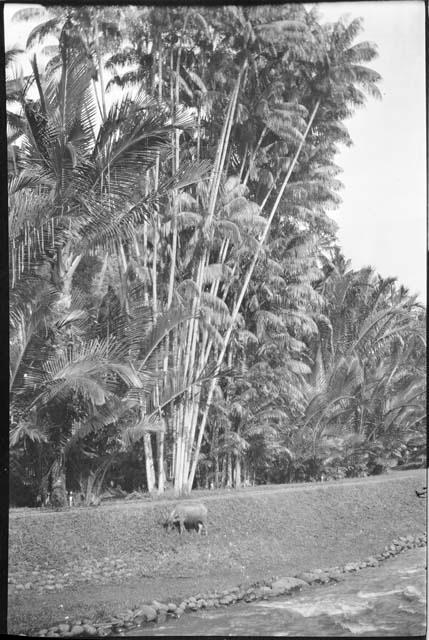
x,y
243,292
150,469
192,334
237,472
246,475
224,472
229,470
160,452
100,66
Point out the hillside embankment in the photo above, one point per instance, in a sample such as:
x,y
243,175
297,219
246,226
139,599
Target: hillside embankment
x,y
92,562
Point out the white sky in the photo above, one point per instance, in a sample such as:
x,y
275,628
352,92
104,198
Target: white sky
x,y
382,221
383,216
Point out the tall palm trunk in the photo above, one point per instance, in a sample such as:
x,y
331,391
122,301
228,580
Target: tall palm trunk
x,y
150,467
242,294
193,332
100,66
159,436
254,154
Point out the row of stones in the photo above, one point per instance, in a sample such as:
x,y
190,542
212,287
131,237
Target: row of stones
x,y
41,578
157,612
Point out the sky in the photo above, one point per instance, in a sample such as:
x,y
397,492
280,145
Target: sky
x,y
382,220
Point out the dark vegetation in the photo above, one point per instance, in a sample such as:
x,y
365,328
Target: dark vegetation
x,y
181,313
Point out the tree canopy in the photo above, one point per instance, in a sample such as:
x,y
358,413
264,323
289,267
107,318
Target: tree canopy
x,y
180,310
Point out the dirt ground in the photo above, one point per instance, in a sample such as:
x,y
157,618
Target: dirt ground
x,y
119,556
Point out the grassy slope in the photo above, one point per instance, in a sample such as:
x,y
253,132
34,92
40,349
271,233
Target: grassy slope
x,y
253,534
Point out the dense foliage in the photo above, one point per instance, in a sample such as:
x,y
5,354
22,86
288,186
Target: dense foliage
x,y
179,308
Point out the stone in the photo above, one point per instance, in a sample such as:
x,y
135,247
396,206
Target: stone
x,y
352,566
89,629
63,627
264,592
161,617
287,585
128,624
76,630
159,606
308,576
179,612
335,576
192,606
225,600
372,562
148,613
171,607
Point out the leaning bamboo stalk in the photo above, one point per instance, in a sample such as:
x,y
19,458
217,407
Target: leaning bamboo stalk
x,y
214,188
223,148
150,470
213,191
100,66
242,294
210,343
243,162
174,97
195,408
253,156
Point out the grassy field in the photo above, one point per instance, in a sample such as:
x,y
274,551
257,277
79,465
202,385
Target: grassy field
x,y
252,534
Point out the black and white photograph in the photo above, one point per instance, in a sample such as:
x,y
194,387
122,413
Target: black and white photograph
x,y
217,243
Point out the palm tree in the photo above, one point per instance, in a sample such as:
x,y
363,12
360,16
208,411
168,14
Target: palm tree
x,y
332,81
362,381
83,192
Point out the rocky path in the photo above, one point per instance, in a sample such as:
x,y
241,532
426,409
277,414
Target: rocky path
x,y
156,612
